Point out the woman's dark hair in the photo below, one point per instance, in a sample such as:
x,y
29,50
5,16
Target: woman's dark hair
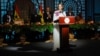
x,y
60,4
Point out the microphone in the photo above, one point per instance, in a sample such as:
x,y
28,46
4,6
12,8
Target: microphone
x,y
60,11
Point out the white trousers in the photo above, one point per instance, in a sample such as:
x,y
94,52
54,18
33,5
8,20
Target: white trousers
x,y
56,37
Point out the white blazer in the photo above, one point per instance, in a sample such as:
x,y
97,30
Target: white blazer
x,y
58,14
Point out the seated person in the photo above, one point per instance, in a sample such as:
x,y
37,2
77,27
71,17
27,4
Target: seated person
x,y
97,36
79,19
35,18
90,21
2,44
70,12
8,18
23,41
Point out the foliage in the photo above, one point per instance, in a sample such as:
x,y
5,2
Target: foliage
x,y
40,28
77,26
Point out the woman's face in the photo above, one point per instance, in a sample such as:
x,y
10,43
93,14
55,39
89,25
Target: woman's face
x,y
48,9
60,6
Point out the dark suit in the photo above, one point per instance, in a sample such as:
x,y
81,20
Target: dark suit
x,y
69,14
47,18
35,18
7,18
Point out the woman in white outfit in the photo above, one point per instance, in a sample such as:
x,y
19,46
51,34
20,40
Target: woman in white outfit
x,y
56,33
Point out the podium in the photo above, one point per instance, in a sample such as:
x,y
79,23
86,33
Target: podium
x,y
64,23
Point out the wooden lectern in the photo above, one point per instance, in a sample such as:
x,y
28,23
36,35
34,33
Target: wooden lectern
x,y
64,23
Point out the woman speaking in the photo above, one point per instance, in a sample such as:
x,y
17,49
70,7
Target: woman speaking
x,y
56,33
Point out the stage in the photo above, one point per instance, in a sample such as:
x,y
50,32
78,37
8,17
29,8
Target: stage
x,y
82,47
